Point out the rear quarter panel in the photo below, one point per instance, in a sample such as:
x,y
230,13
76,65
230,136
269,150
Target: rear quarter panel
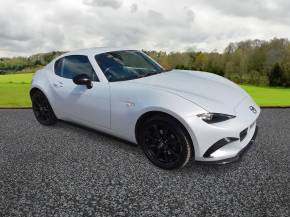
x,y
42,82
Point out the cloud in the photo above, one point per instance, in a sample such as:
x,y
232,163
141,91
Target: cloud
x,y
271,10
115,4
134,8
34,26
190,15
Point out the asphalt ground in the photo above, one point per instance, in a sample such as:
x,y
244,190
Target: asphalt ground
x,y
67,170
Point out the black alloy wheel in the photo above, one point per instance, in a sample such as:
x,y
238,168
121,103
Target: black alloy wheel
x,y
42,109
165,142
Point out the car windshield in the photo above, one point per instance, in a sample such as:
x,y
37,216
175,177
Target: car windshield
x,y
127,65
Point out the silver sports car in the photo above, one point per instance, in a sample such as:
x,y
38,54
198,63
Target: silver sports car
x,y
174,115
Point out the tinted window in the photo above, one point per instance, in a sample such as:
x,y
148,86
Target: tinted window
x,y
70,66
127,65
58,67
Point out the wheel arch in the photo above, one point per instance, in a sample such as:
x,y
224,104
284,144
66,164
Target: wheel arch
x,y
151,113
35,89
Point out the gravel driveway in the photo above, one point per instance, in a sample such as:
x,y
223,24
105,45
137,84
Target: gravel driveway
x,y
66,170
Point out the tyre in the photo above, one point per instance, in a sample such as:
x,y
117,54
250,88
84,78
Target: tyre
x,y
42,109
165,142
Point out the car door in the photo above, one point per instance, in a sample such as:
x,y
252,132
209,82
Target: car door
x,y
77,103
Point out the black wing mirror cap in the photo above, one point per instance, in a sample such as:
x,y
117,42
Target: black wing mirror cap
x,y
83,79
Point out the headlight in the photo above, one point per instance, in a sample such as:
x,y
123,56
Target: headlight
x,y
211,118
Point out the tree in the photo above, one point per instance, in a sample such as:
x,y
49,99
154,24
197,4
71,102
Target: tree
x,y
276,75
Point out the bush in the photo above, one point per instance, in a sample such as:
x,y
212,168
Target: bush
x,y
263,80
254,77
276,76
235,77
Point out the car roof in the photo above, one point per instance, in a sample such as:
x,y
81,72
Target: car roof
x,y
94,51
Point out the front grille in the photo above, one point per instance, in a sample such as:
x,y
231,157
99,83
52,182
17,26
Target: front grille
x,y
243,134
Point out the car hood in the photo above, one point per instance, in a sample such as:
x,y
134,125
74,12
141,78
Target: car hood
x,y
211,92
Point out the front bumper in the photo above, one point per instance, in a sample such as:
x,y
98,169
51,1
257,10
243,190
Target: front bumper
x,y
238,155
224,141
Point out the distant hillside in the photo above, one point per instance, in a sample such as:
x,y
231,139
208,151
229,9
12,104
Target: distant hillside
x,y
26,64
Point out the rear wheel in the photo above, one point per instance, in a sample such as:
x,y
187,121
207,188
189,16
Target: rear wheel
x,y
42,109
165,142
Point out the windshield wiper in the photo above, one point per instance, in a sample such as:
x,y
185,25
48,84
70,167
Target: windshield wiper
x,y
155,73
167,70
149,74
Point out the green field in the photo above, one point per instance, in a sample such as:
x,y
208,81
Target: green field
x,y
14,92
269,96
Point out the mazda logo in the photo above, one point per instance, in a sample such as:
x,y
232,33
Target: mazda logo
x,y
252,108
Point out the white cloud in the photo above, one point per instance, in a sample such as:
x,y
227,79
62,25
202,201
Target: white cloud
x,y
134,8
33,26
115,4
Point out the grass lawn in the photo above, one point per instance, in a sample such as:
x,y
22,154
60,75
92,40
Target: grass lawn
x,y
14,95
14,92
269,96
16,78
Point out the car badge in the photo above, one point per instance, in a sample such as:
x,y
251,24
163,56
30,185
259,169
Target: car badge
x,y
252,109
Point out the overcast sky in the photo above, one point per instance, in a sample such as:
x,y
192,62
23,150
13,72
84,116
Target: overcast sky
x,y
32,26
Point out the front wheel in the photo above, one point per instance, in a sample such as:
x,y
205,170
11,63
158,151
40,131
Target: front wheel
x,y
165,142
42,109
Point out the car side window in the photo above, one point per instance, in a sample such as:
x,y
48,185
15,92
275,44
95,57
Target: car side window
x,y
70,66
58,67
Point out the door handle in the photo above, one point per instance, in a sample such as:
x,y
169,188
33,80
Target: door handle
x,y
58,84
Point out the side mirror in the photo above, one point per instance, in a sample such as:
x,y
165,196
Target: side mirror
x,y
83,79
